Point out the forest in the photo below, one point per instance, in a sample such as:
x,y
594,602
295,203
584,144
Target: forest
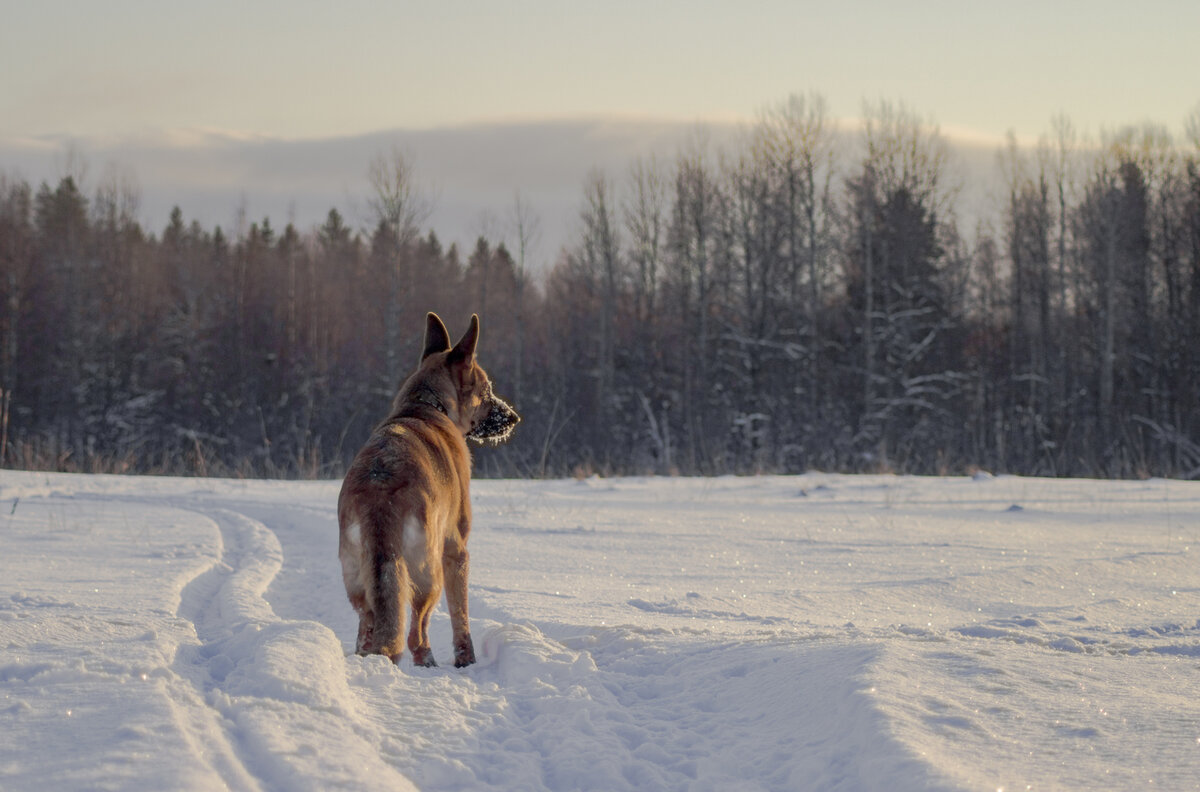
x,y
803,299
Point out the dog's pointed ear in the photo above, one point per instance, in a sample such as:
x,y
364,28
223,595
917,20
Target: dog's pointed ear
x,y
436,337
465,348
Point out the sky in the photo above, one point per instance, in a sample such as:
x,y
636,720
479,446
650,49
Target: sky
x,y
223,94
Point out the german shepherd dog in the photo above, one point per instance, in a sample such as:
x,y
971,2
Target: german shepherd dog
x,y
404,512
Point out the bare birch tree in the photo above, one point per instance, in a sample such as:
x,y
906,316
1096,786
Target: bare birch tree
x,y
400,206
527,229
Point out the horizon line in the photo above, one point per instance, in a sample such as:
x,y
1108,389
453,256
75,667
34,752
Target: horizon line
x,y
201,137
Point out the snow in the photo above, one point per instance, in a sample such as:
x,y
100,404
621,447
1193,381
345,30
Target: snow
x,y
771,633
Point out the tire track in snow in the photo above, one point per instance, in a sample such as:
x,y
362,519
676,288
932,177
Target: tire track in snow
x,y
282,715
198,719
106,686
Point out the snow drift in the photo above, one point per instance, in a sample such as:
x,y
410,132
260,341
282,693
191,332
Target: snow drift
x,y
775,633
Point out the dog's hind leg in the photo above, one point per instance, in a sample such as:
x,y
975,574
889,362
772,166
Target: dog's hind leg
x,y
425,571
424,601
366,624
456,567
354,575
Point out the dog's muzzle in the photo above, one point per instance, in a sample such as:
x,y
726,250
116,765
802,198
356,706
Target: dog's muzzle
x,y
497,426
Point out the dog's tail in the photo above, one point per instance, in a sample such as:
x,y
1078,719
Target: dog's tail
x,y
389,589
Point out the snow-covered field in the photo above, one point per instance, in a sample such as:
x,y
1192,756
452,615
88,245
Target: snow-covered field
x,y
783,633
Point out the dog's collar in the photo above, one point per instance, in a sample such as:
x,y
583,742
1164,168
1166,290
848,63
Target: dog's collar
x,y
428,397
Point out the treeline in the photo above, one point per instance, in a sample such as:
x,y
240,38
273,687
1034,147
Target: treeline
x,y
794,301
270,353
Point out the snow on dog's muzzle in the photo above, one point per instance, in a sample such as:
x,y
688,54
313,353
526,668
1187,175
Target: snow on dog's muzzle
x,y
498,425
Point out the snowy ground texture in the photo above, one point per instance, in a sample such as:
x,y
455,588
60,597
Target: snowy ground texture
x,y
814,632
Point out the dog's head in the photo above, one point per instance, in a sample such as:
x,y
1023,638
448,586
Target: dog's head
x,y
457,385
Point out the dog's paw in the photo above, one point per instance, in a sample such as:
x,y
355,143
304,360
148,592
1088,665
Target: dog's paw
x,y
423,657
365,643
464,653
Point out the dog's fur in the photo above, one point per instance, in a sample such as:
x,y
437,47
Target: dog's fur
x,y
404,512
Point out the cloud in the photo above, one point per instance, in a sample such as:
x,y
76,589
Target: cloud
x,y
471,173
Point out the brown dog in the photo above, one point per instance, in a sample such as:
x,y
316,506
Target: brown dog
x,y
404,512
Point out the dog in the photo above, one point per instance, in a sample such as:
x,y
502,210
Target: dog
x,y
404,512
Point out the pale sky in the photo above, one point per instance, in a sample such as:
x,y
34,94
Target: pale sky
x,y
116,74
